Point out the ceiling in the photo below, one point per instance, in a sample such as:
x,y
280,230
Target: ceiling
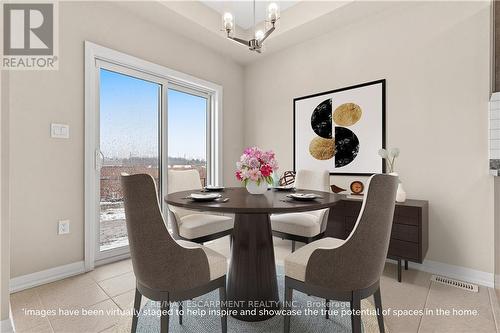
x,y
243,10
299,21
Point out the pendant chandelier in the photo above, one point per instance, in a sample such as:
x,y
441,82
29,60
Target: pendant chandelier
x,y
254,44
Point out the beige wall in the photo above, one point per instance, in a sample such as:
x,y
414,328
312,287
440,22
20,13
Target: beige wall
x,y
47,174
435,57
4,198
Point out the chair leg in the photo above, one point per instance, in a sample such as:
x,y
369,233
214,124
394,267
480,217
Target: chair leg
x,y
165,307
399,270
327,302
293,246
356,315
180,313
378,306
287,307
222,299
137,308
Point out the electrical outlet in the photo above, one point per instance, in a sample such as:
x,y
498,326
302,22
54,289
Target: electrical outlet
x,y
63,227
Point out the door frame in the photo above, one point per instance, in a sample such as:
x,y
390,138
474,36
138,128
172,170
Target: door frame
x,y
95,54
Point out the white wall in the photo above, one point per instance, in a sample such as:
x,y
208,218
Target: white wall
x,y
47,178
435,57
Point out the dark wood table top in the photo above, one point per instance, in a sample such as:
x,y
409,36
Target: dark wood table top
x,y
240,201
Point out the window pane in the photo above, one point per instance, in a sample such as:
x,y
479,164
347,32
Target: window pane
x,y
129,113
187,132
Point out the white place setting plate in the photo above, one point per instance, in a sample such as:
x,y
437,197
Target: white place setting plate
x,y
284,188
214,188
203,197
304,196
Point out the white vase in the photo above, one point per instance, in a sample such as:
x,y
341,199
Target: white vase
x,y
253,188
400,193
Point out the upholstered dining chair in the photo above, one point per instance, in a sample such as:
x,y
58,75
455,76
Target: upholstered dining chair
x,y
348,270
190,225
166,270
308,226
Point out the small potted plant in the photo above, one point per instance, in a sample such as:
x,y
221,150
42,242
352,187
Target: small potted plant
x,y
389,156
255,169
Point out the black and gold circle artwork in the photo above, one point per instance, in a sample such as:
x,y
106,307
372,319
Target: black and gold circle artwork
x,y
347,114
346,146
334,138
321,119
321,148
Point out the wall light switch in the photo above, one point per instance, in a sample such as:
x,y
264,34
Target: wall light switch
x,y
63,227
60,131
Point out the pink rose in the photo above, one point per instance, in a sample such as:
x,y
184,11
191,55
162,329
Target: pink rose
x,y
266,170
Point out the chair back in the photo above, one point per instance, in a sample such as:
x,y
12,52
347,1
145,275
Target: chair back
x,y
183,180
159,262
313,180
359,262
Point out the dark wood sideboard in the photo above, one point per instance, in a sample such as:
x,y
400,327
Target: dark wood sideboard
x,y
410,229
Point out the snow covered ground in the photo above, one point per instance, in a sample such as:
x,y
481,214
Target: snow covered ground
x,y
113,231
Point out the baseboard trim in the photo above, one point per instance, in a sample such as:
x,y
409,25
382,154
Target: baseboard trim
x,y
456,272
112,259
49,275
6,326
57,273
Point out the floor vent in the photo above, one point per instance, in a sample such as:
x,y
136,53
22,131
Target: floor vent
x,y
455,283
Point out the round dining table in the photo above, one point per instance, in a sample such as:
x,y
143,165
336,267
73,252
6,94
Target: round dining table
x,y
252,287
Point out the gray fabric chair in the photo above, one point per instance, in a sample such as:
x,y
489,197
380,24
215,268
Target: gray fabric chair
x,y
348,270
166,270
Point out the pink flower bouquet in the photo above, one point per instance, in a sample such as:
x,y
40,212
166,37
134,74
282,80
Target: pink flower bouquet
x,y
256,165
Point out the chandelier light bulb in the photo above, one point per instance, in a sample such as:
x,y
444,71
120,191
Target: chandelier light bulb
x,y
228,22
272,11
228,17
259,34
228,25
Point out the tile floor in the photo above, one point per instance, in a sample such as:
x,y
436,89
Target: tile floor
x,y
111,288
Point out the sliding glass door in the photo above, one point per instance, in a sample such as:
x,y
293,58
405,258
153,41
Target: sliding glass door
x,y
131,110
140,117
130,113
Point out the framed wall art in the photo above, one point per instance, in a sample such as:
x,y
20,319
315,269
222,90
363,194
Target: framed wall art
x,y
341,130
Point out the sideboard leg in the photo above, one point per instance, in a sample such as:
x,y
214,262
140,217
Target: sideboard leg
x,y
399,270
406,265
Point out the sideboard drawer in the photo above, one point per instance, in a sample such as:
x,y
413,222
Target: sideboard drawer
x,y
409,220
402,249
405,232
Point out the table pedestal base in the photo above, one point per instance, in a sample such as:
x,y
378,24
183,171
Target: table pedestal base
x,y
252,286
